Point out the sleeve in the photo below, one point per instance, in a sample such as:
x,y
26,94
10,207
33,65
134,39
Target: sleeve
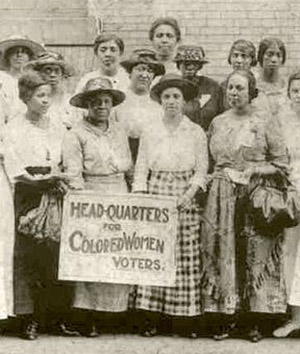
x,y
141,167
201,167
72,157
125,163
277,152
13,154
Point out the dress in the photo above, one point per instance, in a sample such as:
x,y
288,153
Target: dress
x,y
208,103
168,164
290,126
136,113
91,158
243,268
26,144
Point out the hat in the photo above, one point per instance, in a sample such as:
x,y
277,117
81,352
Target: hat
x,y
97,85
18,41
188,89
190,53
143,56
46,58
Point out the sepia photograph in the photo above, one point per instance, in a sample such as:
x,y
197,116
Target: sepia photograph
x,y
149,176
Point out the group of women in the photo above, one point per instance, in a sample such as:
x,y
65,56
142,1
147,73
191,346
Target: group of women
x,y
151,124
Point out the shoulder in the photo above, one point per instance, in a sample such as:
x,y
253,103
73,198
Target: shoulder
x,y
208,82
194,128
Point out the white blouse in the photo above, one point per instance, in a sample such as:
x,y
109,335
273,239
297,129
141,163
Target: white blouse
x,y
184,149
27,144
136,113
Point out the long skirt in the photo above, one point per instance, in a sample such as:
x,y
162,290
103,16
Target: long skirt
x,y
103,296
6,245
243,268
183,299
292,264
37,289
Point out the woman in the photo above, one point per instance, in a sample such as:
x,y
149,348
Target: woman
x,y
172,160
243,270
289,118
33,151
165,34
16,51
54,69
138,110
271,57
96,156
108,48
209,101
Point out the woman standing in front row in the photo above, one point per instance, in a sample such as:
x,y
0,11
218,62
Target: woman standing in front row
x,y
173,160
96,156
243,269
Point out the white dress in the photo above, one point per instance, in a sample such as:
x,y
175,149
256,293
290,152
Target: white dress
x,y
290,125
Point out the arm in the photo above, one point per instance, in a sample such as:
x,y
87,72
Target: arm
x,y
72,157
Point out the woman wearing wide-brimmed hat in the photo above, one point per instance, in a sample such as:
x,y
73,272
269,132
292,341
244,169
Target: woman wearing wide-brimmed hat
x,y
96,156
55,70
209,101
15,53
138,111
173,160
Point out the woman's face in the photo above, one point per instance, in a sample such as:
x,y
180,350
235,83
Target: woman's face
x,y
40,100
164,40
52,73
99,107
189,69
108,56
272,58
18,57
240,60
172,101
294,92
141,77
238,92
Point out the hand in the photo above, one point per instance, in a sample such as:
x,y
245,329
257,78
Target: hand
x,y
185,200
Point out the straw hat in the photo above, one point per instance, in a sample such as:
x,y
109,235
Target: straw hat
x,y
94,86
18,41
143,56
48,58
188,89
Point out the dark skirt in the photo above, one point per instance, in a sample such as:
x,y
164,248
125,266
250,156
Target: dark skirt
x,y
184,298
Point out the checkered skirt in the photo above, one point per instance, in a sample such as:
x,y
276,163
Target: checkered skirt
x,y
184,298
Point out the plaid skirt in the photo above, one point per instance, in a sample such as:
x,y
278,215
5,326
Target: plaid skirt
x,y
184,298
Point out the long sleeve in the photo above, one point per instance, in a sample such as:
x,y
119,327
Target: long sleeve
x,y
201,166
141,167
73,159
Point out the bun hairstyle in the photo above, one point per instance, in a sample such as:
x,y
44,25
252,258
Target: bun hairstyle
x,y
293,77
170,21
28,83
246,47
106,37
266,43
253,91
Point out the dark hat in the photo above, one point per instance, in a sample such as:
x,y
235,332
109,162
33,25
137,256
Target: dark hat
x,y
94,86
190,53
188,89
143,56
47,58
18,41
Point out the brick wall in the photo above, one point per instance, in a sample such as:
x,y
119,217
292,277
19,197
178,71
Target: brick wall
x,y
215,24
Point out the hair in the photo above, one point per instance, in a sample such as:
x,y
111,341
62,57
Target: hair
x,y
10,50
267,43
253,91
106,37
170,21
28,83
293,77
246,47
